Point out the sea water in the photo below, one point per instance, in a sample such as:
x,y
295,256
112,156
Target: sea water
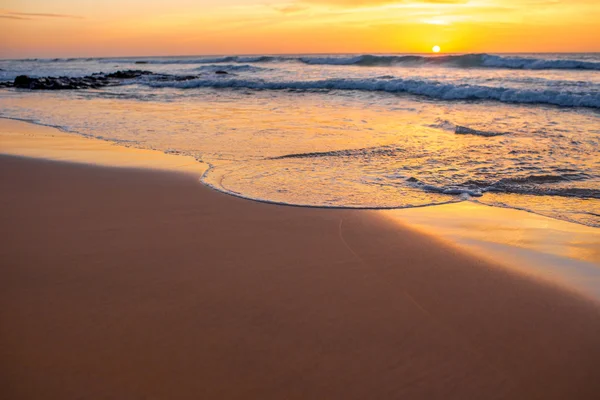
x,y
367,131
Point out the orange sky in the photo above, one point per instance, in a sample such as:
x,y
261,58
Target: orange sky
x,y
80,28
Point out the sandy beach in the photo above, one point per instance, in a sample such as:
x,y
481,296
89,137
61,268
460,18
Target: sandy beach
x,y
122,282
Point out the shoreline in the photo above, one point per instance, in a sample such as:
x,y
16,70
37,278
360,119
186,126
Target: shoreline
x,y
124,281
206,167
30,139
558,252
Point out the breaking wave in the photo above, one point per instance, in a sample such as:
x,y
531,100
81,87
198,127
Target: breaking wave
x,y
370,60
430,89
460,61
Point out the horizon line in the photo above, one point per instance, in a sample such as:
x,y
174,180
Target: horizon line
x,y
292,54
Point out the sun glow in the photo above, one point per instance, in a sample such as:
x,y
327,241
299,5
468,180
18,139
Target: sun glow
x,y
436,49
75,28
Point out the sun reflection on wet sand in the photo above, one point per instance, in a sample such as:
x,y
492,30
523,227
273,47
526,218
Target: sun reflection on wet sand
x,y
564,253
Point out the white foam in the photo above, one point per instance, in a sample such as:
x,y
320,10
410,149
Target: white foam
x,y
431,89
459,61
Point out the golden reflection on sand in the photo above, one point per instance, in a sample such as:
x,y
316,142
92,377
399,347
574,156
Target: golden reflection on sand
x,y
563,252
470,220
29,140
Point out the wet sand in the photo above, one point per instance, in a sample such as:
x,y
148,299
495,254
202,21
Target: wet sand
x,y
132,283
559,252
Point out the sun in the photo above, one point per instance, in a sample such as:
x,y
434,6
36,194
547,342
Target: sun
x,y
436,49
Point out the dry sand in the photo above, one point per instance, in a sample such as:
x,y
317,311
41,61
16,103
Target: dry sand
x,y
120,283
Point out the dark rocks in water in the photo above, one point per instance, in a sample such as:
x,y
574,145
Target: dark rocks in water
x,y
219,72
23,81
141,62
60,83
128,74
94,81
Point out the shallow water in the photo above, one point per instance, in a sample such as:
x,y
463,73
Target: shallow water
x,y
373,132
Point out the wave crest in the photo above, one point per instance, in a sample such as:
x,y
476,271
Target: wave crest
x,y
372,60
459,61
429,89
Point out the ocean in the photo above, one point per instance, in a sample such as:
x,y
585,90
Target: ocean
x,y
365,131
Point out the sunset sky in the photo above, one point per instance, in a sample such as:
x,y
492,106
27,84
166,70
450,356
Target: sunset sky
x,y
73,28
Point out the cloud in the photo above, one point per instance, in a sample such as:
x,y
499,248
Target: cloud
x,y
28,16
12,17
